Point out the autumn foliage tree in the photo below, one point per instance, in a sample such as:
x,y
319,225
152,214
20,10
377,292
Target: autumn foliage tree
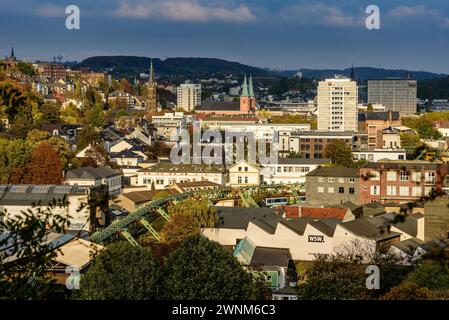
x,y
44,167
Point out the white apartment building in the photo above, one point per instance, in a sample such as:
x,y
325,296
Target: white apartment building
x,y
378,154
290,170
189,96
263,131
164,174
171,122
337,105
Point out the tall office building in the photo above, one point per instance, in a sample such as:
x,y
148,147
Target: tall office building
x,y
395,94
189,96
337,105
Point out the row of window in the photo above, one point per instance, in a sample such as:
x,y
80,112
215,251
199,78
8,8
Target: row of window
x,y
405,176
241,179
340,180
402,191
341,190
293,169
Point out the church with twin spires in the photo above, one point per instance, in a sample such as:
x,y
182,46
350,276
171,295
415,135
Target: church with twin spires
x,y
245,105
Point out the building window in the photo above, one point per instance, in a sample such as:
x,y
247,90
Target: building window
x,y
391,190
416,176
341,180
240,168
320,189
239,179
391,176
404,191
330,179
330,190
416,191
351,190
375,190
246,179
403,176
341,190
351,180
246,169
159,181
375,175
430,177
428,190
320,179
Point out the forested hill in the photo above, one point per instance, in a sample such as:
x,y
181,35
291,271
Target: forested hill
x,y
191,67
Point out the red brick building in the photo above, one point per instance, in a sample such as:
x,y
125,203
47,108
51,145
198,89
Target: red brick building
x,y
55,71
400,181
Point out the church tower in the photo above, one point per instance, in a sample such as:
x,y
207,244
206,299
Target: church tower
x,y
245,100
152,91
252,97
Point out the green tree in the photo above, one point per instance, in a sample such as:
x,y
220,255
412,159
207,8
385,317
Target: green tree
x,y
411,143
427,130
95,116
408,291
431,274
179,228
70,114
87,135
340,154
36,136
26,68
203,269
122,272
13,154
205,215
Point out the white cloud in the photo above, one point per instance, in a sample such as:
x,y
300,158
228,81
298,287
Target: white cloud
x,y
319,14
50,11
419,10
183,10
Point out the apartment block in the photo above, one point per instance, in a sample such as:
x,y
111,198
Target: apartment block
x,y
189,96
332,185
400,181
337,105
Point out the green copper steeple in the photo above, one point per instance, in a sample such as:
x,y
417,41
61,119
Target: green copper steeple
x,y
245,88
251,88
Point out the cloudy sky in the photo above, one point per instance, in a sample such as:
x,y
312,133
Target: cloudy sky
x,y
267,33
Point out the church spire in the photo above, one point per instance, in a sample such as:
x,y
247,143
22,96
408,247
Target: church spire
x,y
12,57
352,72
251,88
151,72
245,88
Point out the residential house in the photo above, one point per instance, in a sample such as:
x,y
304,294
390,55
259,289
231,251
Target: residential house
x,y
90,176
244,174
164,174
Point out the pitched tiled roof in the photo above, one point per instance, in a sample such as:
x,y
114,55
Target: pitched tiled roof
x,y
324,213
91,173
334,172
